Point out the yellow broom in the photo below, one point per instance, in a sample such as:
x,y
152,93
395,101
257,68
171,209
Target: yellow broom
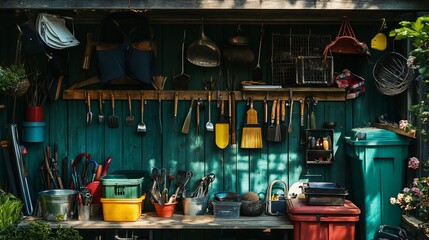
x,y
252,134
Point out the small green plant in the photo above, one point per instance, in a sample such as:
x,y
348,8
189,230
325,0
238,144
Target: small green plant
x,y
10,77
10,214
418,33
10,209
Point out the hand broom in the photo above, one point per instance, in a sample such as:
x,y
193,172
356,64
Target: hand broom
x,y
252,133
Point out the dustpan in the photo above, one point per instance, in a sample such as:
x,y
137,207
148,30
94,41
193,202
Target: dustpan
x,y
346,42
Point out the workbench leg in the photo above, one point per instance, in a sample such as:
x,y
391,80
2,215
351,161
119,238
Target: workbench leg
x,y
150,234
285,234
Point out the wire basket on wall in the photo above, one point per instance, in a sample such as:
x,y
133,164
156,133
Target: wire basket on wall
x,y
392,75
291,55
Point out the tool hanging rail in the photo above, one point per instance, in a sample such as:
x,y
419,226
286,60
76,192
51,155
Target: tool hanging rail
x,y
322,94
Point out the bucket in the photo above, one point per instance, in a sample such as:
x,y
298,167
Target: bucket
x,y
166,210
33,131
34,114
194,206
58,203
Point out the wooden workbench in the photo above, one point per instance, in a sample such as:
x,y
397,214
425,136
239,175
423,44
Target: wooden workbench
x,y
178,221
153,224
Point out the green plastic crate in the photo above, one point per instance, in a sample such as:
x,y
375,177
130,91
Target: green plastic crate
x,y
122,186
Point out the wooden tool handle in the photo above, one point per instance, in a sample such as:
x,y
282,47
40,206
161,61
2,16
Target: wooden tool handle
x,y
142,106
198,114
88,51
265,111
100,101
60,182
222,108
273,111
129,102
113,101
229,106
60,82
192,104
278,114
88,99
176,103
233,132
283,109
98,173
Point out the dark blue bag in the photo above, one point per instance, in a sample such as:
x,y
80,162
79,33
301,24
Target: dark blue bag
x,y
130,51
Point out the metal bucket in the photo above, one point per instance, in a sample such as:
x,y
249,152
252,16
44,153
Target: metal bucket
x,y
195,206
58,204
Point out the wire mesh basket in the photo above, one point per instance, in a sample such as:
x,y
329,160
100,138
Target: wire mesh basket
x,y
392,75
313,70
291,53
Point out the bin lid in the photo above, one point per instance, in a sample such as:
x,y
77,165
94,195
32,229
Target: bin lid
x,y
375,136
299,206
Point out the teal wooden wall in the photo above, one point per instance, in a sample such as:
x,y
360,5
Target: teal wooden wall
x,y
236,169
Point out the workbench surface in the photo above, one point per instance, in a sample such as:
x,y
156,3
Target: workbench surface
x,y
178,221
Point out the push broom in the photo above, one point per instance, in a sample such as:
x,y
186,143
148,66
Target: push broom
x,y
252,133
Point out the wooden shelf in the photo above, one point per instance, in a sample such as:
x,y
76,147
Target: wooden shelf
x,y
321,94
411,133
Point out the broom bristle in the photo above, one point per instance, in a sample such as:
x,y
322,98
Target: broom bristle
x,y
251,137
252,133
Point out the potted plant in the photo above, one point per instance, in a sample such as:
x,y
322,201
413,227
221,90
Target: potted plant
x,y
10,215
36,96
13,80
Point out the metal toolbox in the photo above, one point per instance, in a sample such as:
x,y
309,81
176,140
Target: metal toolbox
x,y
324,194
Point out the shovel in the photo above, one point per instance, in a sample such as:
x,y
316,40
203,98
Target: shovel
x,y
113,119
141,127
222,129
271,131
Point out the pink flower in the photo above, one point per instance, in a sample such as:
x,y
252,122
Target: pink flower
x,y
406,190
403,124
415,182
416,190
413,163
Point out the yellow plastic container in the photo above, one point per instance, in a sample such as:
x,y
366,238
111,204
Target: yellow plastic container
x,y
122,209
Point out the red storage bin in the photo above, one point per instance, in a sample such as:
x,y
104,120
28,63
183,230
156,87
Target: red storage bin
x,y
323,222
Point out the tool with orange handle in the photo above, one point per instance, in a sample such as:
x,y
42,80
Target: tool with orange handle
x,y
302,137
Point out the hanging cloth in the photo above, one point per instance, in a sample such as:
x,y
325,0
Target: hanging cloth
x,y
346,42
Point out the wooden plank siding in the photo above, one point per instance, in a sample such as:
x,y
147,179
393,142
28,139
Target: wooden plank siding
x,y
236,169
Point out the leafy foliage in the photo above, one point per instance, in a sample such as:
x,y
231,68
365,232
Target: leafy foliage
x,y
10,214
10,209
418,33
11,76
